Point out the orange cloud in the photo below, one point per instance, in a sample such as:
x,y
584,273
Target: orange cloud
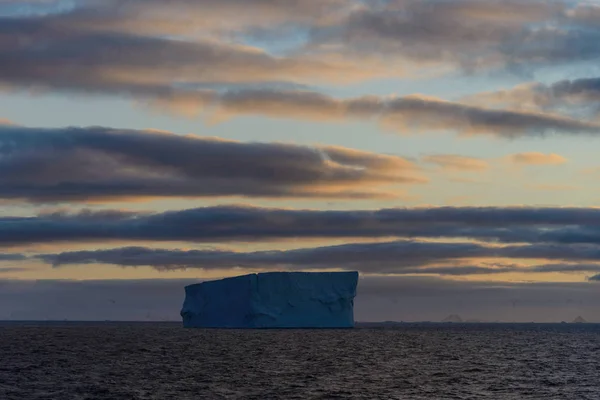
x,y
457,162
537,158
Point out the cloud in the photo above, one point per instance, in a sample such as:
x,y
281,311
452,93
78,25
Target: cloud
x,y
536,158
579,98
9,270
525,96
191,18
408,114
485,269
168,57
82,164
65,53
368,259
468,34
116,65
432,114
456,162
189,55
223,224
398,257
12,257
378,299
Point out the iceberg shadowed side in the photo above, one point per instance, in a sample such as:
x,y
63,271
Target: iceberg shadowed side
x,y
273,300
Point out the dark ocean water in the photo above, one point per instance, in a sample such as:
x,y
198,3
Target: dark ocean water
x,y
165,361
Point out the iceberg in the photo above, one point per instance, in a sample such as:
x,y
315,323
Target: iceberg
x,y
272,300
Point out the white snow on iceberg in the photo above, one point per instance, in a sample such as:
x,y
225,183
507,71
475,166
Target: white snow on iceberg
x,y
273,300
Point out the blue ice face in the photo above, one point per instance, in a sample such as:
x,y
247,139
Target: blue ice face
x,y
273,300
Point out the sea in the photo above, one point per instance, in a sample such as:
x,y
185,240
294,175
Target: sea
x,y
410,361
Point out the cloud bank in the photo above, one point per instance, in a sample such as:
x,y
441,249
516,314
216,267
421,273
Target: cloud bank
x,y
398,257
408,114
136,48
222,224
100,164
467,34
578,96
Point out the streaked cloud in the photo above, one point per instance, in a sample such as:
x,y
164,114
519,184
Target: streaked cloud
x,y
537,158
137,48
12,257
190,18
248,224
467,34
408,114
398,257
84,164
487,269
470,34
44,55
195,57
456,162
579,98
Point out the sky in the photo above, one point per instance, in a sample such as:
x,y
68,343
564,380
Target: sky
x,y
446,150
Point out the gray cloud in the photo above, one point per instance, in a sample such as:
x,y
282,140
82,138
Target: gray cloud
x,y
378,299
367,258
470,34
242,223
399,257
120,47
433,114
80,164
12,257
107,64
403,114
577,97
65,53
193,17
485,269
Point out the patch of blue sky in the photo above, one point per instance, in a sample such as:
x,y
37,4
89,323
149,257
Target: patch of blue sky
x,y
35,8
280,40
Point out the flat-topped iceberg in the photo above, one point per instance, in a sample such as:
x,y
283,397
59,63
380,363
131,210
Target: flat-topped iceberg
x,y
273,300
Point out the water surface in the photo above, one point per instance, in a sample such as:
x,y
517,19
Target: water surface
x,y
165,361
